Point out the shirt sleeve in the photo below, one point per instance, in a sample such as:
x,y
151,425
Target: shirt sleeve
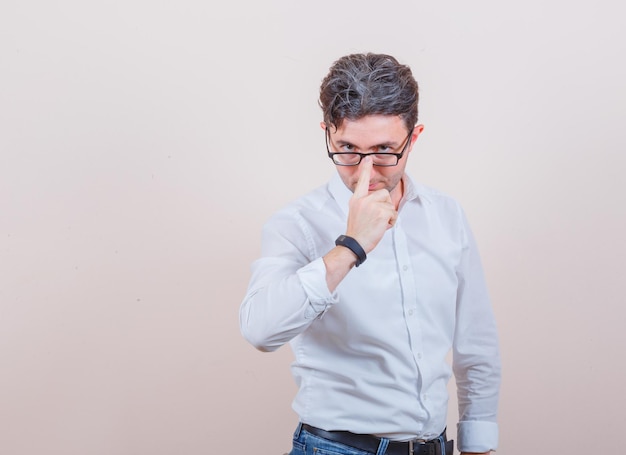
x,y
287,289
476,357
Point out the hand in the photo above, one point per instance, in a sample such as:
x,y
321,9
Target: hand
x,y
371,214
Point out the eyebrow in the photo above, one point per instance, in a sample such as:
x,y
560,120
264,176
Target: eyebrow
x,y
390,144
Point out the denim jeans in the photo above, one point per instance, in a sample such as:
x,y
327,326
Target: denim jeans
x,y
305,443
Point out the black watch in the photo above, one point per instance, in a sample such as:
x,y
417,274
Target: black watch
x,y
352,245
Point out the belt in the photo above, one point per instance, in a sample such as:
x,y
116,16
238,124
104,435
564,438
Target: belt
x,y
370,443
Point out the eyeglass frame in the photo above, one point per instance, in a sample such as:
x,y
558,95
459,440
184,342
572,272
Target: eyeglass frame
x,y
398,156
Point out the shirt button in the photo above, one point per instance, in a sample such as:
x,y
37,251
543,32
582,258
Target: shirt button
x,y
405,268
419,355
410,312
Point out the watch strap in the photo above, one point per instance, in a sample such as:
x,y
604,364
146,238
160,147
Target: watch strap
x,y
354,246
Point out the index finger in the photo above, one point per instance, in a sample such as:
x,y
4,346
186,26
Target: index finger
x,y
362,185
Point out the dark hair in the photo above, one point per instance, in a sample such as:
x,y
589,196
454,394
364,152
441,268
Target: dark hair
x,y
368,84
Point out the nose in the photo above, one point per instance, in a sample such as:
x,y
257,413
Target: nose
x,y
374,171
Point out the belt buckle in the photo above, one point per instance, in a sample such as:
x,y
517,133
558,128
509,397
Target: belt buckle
x,y
412,443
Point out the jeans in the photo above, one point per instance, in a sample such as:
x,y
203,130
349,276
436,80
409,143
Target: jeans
x,y
305,443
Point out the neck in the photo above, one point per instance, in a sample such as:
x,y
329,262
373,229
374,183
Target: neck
x,y
397,194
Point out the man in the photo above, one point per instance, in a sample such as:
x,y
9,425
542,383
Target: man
x,y
373,279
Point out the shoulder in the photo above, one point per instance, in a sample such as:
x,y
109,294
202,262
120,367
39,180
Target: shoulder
x,y
314,200
431,198
317,203
303,225
437,208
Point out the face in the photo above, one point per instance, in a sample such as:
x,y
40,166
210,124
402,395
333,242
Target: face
x,y
374,134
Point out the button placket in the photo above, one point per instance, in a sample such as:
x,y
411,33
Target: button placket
x,y
409,288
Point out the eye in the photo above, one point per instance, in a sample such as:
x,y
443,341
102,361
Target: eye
x,y
388,159
384,149
347,148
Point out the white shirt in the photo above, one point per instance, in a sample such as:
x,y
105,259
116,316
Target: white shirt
x,y
371,357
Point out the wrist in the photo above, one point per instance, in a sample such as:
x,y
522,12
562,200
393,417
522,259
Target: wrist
x,y
354,246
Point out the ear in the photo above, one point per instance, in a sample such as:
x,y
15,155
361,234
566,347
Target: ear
x,y
416,132
323,125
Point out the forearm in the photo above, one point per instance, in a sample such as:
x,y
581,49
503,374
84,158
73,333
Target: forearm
x,y
338,263
476,365
478,379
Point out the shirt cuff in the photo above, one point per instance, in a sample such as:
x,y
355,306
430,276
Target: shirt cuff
x,y
477,436
313,279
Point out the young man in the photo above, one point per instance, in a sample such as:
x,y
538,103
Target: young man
x,y
373,279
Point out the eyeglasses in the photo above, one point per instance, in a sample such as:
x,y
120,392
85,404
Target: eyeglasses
x,y
386,159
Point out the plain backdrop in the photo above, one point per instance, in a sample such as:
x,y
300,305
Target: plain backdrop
x,y
144,143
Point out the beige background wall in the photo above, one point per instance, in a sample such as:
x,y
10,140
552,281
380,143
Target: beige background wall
x,y
144,143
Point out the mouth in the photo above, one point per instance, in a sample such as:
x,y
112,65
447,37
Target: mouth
x,y
373,186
